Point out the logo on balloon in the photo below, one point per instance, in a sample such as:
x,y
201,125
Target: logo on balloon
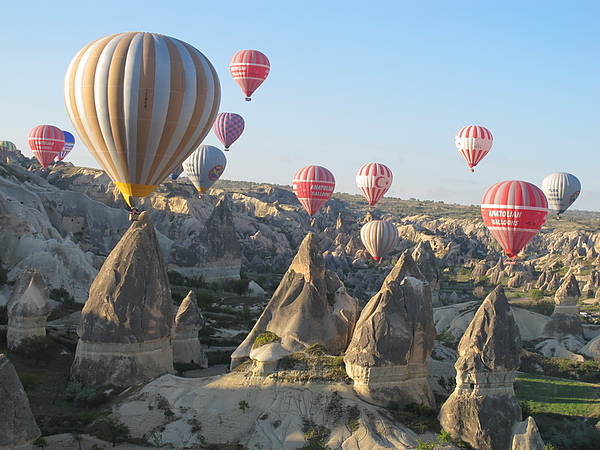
x,y
574,197
215,173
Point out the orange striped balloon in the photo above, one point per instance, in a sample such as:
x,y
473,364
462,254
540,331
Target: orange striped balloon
x,y
473,142
141,103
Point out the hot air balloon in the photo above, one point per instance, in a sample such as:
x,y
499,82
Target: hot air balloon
x,y
473,142
205,166
46,141
561,189
178,171
313,185
249,68
8,146
141,102
69,144
374,180
514,212
379,237
228,127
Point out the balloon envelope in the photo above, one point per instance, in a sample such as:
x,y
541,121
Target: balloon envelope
x,y
473,142
178,171
141,102
46,141
228,127
313,186
561,189
514,212
374,180
249,68
69,144
8,146
379,237
205,166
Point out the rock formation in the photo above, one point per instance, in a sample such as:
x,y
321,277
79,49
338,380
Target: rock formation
x,y
428,265
479,270
127,323
483,407
394,337
310,306
17,424
526,436
565,318
188,321
27,308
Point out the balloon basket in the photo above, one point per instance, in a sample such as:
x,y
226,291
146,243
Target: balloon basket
x,y
134,215
248,99
472,170
511,262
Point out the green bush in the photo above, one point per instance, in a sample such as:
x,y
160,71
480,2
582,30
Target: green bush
x,y
29,381
84,397
264,338
316,350
37,348
109,429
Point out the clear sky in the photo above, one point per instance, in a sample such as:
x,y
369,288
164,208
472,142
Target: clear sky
x,y
353,82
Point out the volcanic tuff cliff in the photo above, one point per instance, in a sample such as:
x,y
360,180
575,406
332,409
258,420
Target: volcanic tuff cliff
x,y
65,222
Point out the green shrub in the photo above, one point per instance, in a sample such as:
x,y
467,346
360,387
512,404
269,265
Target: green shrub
x,y
29,381
264,338
37,348
111,430
316,350
85,397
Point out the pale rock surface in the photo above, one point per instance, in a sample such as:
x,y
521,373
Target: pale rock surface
x,y
484,406
592,349
188,321
208,409
394,337
310,306
28,308
553,348
427,263
127,323
479,270
565,318
18,428
526,436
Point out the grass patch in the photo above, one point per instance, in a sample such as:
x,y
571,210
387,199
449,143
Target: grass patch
x,y
558,396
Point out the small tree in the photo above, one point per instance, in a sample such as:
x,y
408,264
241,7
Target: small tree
x,y
243,404
40,442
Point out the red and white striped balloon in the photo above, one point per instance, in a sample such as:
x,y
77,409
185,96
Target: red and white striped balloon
x,y
249,68
473,142
374,180
46,141
514,212
379,238
313,185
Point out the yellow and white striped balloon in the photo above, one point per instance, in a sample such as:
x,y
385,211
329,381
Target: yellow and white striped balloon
x,y
141,103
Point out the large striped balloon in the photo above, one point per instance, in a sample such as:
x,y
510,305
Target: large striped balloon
x,y
561,189
249,68
374,180
473,142
228,127
69,144
514,212
205,166
313,185
379,238
46,141
141,102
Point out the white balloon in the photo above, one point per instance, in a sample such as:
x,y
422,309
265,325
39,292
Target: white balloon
x,y
561,190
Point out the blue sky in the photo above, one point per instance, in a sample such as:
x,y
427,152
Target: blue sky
x,y
354,82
